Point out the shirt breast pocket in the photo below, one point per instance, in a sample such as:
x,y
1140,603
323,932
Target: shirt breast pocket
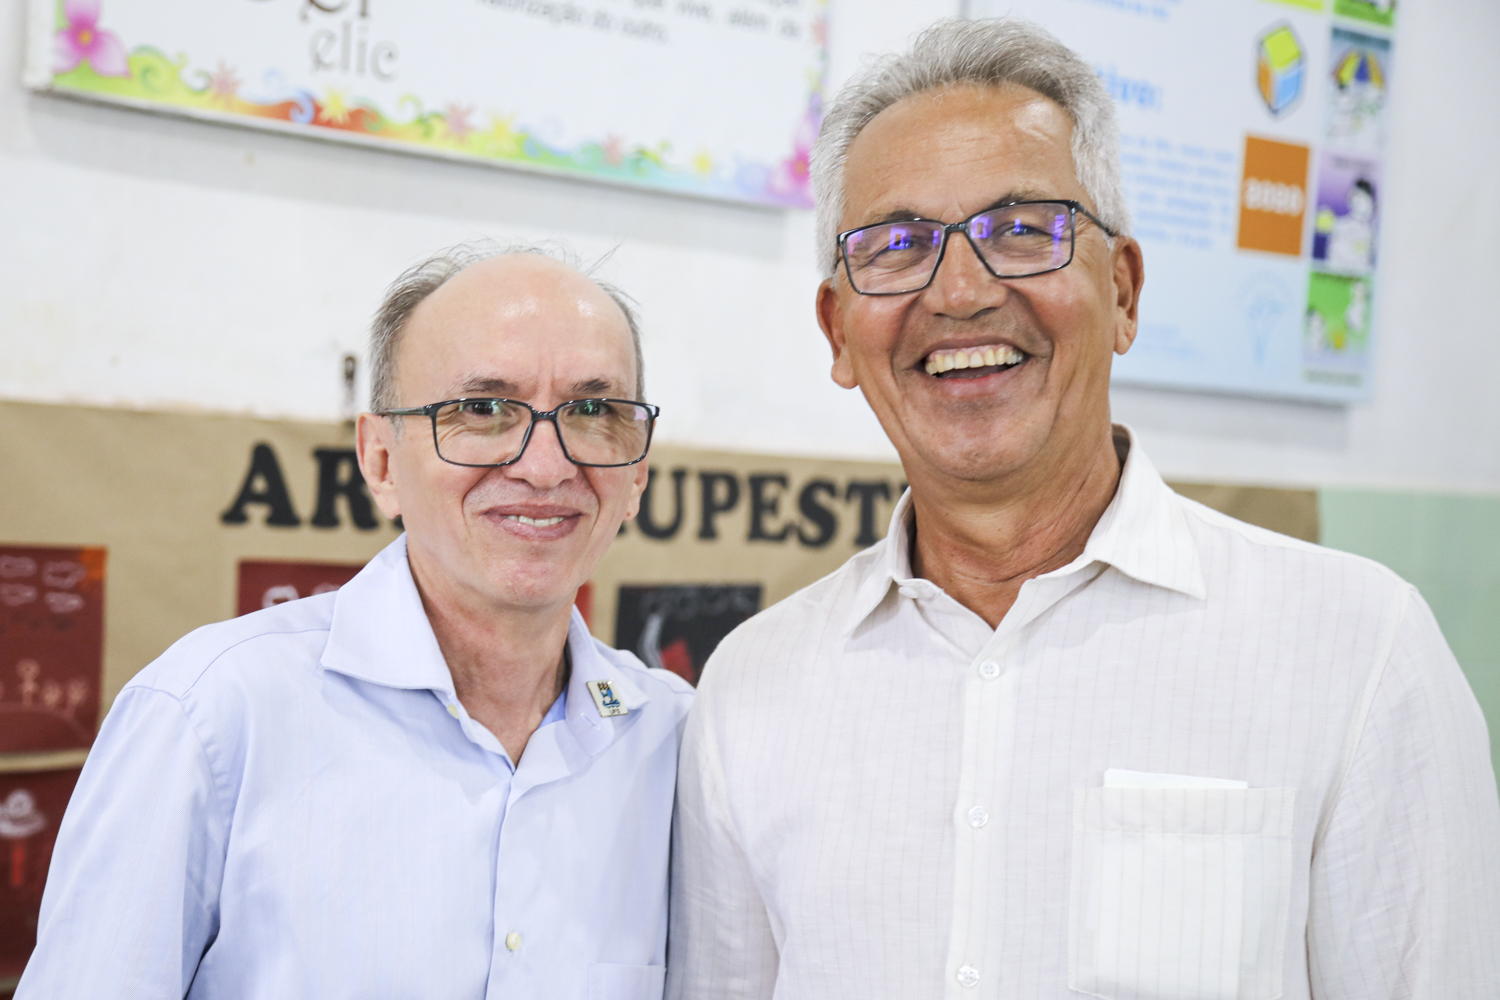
x,y
1180,893
626,982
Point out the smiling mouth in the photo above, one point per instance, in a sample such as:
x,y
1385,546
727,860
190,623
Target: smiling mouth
x,y
973,362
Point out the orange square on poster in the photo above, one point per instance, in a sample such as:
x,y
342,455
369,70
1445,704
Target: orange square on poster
x,y
51,646
1273,196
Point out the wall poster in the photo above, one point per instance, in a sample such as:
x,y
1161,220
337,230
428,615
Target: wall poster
x,y
1252,135
31,806
51,647
718,98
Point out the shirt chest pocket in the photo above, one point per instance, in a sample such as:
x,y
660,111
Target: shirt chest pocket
x,y
1180,894
626,982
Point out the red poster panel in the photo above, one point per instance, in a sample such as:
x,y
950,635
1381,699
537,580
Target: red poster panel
x,y
51,646
31,806
266,583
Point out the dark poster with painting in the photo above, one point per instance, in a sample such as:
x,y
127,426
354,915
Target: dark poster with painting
x,y
51,646
31,805
267,583
677,626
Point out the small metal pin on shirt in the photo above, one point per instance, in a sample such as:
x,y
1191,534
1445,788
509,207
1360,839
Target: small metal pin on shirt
x,y
605,699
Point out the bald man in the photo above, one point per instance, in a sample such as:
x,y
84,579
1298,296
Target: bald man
x,y
434,782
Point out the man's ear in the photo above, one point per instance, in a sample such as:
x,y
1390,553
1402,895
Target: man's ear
x,y
638,487
1129,275
374,437
831,320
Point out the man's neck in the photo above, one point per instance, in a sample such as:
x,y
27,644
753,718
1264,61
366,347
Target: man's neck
x,y
508,665
980,544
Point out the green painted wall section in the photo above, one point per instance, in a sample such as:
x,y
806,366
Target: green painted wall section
x,y
1449,547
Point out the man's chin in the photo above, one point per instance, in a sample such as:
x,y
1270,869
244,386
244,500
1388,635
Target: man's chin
x,y
970,450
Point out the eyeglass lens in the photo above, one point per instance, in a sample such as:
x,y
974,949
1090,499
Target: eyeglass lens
x,y
493,431
1014,241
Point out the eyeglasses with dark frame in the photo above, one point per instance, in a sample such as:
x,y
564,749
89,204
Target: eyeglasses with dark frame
x,y
1017,240
489,432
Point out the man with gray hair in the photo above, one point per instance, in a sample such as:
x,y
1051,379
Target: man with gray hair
x,y
1062,732
433,783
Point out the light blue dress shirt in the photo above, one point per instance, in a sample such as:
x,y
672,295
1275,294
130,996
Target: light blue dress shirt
x,y
294,804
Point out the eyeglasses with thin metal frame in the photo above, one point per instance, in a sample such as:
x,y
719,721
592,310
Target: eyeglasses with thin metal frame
x,y
1020,239
605,433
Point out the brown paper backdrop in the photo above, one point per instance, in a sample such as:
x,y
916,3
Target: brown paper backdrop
x,y
153,488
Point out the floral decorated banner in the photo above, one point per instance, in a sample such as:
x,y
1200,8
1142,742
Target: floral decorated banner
x,y
717,98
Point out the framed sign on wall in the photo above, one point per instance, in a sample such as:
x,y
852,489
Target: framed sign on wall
x,y
717,98
1252,139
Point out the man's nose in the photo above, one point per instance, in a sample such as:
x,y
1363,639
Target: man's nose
x,y
963,286
543,464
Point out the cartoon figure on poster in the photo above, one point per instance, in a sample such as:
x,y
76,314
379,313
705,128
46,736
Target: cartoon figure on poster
x,y
1347,214
1336,328
1359,84
51,646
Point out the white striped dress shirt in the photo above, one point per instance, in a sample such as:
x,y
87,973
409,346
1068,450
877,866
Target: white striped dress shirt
x,y
880,796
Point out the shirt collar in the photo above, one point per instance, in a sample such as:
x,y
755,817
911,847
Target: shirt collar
x,y
380,632
1143,533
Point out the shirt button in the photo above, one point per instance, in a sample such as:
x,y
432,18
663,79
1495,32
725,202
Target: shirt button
x,y
978,816
513,941
968,977
911,592
989,670
453,710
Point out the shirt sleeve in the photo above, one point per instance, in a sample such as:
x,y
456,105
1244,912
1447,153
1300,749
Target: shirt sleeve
x,y
1405,884
131,901
720,945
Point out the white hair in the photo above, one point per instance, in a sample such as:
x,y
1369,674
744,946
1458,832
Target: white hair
x,y
990,52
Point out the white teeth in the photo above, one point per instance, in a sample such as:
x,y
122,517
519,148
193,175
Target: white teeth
x,y
543,522
972,357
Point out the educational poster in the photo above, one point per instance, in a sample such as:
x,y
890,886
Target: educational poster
x,y
31,805
51,646
266,583
1252,138
718,98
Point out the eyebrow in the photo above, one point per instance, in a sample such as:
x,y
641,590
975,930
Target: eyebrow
x,y
1009,198
479,383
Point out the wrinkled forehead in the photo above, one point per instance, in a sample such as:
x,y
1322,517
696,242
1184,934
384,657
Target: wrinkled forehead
x,y
522,325
947,145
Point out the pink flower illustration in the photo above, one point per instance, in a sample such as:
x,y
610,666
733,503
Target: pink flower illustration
x,y
224,85
457,116
82,40
614,150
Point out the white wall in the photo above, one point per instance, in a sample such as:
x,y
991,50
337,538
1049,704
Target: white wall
x,y
147,261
